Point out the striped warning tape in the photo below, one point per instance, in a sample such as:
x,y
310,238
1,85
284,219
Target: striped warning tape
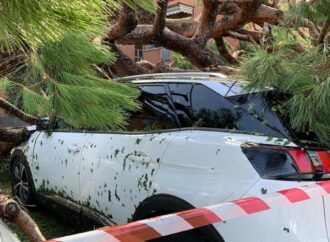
x,y
195,218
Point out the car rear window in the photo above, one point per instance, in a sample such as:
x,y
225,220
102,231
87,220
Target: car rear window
x,y
244,113
267,105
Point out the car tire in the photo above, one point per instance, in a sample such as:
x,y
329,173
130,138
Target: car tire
x,y
165,204
21,181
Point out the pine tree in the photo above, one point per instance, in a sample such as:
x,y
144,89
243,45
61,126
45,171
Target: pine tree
x,y
295,61
49,52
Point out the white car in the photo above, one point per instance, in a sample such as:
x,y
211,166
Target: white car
x,y
5,233
200,139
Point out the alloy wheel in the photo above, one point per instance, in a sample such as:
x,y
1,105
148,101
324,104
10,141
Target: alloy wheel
x,y
20,182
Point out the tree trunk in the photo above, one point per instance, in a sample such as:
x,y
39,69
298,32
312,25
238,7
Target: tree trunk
x,y
10,210
18,135
15,136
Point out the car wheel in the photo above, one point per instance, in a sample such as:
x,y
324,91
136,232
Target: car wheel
x,y
21,181
165,204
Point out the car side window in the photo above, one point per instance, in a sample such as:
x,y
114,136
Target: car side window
x,y
211,110
156,112
181,93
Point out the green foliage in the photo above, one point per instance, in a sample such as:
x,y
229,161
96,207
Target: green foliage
x,y
146,5
181,62
54,43
304,76
60,82
316,12
31,23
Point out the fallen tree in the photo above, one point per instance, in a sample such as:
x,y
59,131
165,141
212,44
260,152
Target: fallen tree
x,y
189,36
11,210
10,137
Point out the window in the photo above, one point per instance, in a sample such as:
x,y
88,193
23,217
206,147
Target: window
x,y
211,110
138,53
156,112
181,93
260,111
166,54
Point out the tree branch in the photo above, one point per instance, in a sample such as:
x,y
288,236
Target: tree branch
x,y
268,14
160,18
255,35
17,112
15,136
240,36
230,22
10,210
206,22
126,22
187,27
224,52
324,30
190,49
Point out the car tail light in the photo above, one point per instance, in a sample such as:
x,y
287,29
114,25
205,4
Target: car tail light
x,y
280,162
321,161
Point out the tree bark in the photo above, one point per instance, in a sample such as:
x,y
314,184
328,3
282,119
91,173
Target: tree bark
x,y
126,22
14,136
10,210
10,108
206,22
189,36
143,33
224,52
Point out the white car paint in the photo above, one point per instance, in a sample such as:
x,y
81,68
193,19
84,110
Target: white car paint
x,y
114,172
117,171
5,233
57,160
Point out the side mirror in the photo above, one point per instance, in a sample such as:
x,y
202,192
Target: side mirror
x,y
43,124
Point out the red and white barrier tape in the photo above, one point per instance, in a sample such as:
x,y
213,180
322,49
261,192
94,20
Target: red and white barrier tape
x,y
182,221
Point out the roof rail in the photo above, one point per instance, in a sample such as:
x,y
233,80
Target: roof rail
x,y
173,75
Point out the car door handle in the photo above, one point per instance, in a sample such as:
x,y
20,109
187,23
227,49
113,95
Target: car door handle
x,y
140,158
74,148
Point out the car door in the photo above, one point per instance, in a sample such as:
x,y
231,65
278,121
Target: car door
x,y
117,169
205,166
57,161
